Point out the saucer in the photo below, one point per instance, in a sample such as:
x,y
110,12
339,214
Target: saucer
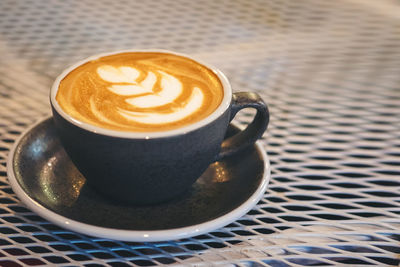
x,y
44,178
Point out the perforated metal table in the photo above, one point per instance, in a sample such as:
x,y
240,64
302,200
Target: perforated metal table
x,y
330,72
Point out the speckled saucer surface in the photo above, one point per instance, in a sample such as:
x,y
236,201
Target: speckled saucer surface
x,y
45,179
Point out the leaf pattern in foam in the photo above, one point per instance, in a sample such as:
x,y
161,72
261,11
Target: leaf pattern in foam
x,y
142,94
145,86
171,88
122,74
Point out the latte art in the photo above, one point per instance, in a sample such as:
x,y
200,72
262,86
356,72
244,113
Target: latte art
x,y
140,92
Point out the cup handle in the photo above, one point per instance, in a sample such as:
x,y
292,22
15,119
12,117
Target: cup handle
x,y
253,131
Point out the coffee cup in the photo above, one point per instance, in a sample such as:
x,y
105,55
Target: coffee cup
x,y
143,125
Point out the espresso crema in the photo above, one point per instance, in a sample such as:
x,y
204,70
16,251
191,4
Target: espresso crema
x,y
140,92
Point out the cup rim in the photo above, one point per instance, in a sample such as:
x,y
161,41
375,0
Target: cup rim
x,y
223,106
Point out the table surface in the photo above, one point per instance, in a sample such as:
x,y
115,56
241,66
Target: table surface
x,y
330,72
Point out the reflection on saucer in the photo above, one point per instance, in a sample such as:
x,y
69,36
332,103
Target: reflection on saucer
x,y
220,174
67,191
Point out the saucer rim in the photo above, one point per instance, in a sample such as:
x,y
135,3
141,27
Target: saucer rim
x,y
135,235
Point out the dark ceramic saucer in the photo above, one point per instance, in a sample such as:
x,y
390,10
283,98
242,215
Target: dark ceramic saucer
x,y
44,178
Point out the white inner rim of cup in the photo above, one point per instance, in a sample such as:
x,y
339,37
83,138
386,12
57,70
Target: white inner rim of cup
x,y
226,101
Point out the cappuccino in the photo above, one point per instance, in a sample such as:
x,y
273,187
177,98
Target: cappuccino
x,y
140,92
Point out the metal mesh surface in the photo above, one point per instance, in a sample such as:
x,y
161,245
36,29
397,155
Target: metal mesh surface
x,y
330,72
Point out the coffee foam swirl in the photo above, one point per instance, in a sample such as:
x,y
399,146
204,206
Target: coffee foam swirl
x,y
191,107
171,88
140,92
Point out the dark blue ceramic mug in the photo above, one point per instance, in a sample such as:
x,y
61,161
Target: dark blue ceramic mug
x,y
146,168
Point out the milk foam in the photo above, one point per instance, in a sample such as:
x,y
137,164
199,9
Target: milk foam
x,y
171,89
194,103
142,94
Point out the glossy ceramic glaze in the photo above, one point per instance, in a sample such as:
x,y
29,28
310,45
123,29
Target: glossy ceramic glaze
x,y
45,179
